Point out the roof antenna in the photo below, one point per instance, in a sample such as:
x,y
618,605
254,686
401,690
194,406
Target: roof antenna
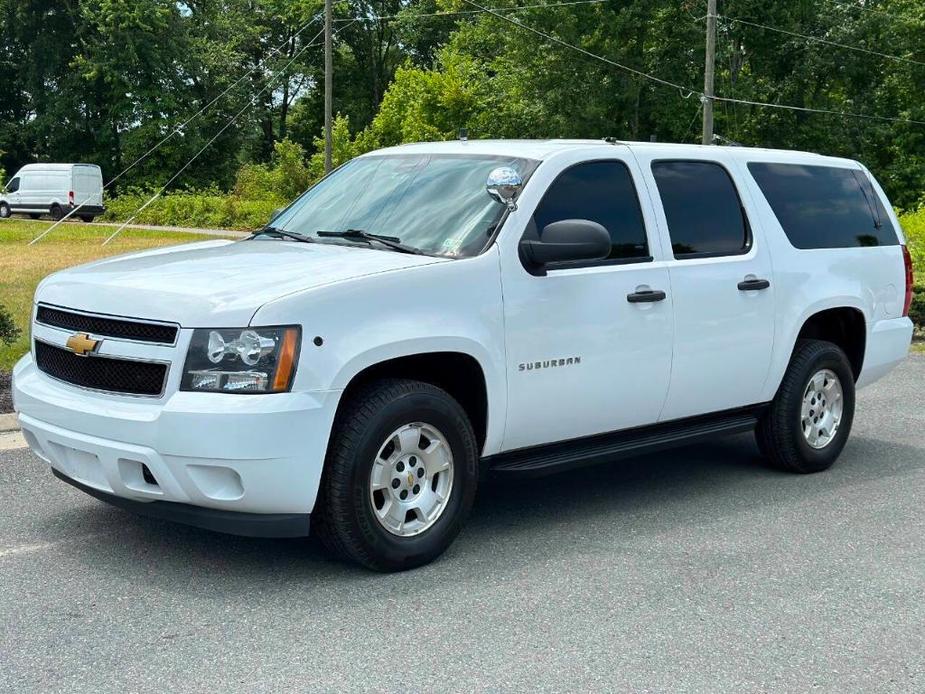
x,y
464,134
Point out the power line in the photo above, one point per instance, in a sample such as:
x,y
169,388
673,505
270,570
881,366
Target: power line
x,y
866,8
639,73
179,128
520,8
215,137
816,39
682,89
847,114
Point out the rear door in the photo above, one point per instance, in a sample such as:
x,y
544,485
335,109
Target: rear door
x,y
88,186
720,272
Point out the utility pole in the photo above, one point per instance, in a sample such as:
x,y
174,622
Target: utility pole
x,y
328,84
708,73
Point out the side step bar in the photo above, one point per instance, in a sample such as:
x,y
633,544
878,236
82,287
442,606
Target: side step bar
x,y
566,455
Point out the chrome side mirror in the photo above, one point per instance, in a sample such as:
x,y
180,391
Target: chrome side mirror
x,y
504,184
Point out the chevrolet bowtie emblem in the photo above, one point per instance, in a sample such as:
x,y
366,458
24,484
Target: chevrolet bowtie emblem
x,y
82,344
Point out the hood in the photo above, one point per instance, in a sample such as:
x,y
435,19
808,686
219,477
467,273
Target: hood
x,y
216,283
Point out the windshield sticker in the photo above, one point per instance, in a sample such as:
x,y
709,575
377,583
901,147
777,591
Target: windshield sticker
x,y
452,245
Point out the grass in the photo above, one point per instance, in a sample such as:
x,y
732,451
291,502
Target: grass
x,y
23,266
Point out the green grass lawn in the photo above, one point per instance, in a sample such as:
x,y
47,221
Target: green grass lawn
x,y
23,266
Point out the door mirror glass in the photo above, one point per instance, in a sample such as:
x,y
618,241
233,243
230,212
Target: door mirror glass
x,y
504,184
564,241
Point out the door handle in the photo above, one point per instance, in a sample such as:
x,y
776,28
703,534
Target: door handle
x,y
646,296
753,285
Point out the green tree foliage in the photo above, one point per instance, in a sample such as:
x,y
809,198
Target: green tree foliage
x,y
104,80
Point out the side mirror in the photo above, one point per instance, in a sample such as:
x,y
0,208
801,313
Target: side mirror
x,y
276,213
569,239
504,184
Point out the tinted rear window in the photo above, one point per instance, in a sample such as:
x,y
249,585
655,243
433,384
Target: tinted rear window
x,y
702,207
825,206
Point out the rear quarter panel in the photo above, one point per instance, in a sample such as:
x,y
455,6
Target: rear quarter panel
x,y
808,281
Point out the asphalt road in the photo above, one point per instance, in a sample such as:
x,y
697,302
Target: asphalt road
x,y
697,570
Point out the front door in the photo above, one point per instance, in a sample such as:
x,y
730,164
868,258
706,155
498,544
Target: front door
x,y
721,285
13,196
588,350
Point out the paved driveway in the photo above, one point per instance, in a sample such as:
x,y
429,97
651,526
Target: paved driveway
x,y
696,570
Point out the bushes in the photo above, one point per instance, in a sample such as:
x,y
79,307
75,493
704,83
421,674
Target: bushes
x,y
914,226
9,333
209,209
260,189
283,180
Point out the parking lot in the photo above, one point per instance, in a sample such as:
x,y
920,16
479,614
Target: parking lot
x,y
694,570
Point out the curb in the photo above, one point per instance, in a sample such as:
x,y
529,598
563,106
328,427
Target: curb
x,y
8,422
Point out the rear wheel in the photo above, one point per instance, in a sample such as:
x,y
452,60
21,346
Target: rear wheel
x,y
400,476
5,211
810,418
56,212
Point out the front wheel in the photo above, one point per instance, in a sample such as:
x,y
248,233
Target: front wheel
x,y
5,211
400,476
810,418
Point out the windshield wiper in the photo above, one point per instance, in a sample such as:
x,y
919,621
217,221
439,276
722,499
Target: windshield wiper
x,y
281,234
392,242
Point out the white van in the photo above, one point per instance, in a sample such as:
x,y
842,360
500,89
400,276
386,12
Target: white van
x,y
54,189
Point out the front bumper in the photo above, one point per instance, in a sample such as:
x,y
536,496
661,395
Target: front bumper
x,y
245,454
231,522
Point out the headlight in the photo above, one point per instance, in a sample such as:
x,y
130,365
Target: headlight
x,y
248,360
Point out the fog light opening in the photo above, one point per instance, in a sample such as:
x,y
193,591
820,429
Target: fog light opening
x,y
147,476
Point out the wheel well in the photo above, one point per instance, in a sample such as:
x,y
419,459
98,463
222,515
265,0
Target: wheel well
x,y
458,374
843,326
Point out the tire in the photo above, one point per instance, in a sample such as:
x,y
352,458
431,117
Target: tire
x,y
56,212
87,218
33,215
782,431
5,211
346,517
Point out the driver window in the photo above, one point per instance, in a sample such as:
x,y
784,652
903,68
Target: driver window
x,y
602,192
13,186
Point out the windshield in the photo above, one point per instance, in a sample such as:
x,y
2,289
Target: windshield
x,y
436,203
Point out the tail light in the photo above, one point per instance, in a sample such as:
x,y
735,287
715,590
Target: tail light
x,y
907,259
70,198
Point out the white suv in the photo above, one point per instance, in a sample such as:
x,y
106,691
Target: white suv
x,y
404,325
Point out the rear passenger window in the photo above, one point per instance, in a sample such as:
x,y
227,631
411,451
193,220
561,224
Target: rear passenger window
x,y
825,206
602,192
702,207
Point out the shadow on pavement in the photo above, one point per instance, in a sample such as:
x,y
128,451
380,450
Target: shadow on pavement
x,y
521,521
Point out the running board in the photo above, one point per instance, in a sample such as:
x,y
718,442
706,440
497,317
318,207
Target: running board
x,y
556,457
